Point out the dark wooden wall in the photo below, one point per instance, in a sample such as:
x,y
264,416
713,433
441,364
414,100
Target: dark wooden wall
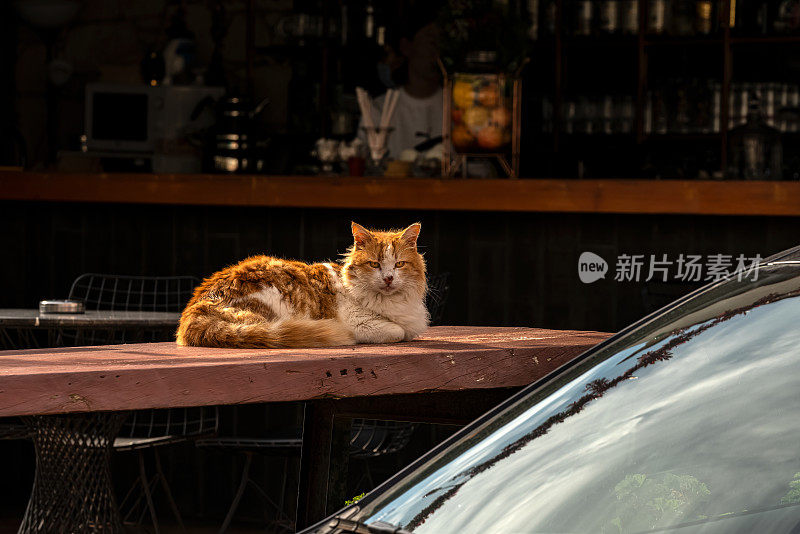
x,y
506,268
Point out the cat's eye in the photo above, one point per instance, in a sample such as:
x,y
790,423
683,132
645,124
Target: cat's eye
x,y
374,264
399,264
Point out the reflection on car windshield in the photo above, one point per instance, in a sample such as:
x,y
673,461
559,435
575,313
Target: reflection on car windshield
x,y
688,423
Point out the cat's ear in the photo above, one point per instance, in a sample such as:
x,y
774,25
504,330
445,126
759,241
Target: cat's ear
x,y
411,234
360,234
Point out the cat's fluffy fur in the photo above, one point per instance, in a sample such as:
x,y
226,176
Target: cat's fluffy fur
x,y
375,296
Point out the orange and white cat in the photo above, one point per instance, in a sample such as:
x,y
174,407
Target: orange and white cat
x,y
376,295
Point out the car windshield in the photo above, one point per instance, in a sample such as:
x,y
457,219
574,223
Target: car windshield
x,y
690,422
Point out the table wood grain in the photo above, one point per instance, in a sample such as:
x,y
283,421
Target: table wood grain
x,y
157,375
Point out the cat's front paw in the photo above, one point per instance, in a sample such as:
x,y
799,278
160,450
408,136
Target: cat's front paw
x,y
393,333
414,329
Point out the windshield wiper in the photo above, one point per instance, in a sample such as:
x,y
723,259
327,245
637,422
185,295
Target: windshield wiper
x,y
379,527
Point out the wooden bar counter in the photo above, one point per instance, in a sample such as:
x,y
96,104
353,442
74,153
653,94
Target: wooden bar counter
x,y
539,195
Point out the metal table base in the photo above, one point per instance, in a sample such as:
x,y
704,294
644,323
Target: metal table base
x,y
72,490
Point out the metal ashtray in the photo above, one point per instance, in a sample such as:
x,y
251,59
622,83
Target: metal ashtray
x,y
61,306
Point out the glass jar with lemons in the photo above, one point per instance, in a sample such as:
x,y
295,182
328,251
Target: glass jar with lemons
x,y
481,109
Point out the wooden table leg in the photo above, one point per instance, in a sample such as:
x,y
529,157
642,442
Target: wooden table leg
x,y
314,462
323,463
339,464
322,488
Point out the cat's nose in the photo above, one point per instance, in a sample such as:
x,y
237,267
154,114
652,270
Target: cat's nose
x,y
388,280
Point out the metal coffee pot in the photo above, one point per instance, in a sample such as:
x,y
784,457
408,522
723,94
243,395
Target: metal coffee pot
x,y
233,145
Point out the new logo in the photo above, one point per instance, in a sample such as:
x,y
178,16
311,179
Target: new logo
x,y
591,267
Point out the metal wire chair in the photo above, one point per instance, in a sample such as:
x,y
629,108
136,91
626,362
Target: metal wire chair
x,y
436,299
261,441
370,438
151,428
24,338
144,429
133,293
127,293
13,428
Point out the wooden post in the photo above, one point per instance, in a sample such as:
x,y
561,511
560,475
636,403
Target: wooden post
x,y
339,463
315,461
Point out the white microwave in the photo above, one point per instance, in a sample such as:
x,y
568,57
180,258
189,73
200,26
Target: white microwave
x,y
141,118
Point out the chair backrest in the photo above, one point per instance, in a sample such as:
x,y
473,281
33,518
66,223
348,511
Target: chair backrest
x,y
436,298
127,293
133,293
370,438
179,424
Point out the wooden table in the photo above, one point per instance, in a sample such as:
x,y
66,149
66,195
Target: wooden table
x,y
451,374
20,324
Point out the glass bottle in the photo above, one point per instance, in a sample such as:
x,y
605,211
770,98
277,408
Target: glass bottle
x,y
550,9
682,19
629,16
533,16
657,16
704,18
787,19
755,151
608,17
584,15
369,21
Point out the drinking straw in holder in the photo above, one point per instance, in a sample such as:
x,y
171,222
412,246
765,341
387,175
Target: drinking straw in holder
x,y
376,135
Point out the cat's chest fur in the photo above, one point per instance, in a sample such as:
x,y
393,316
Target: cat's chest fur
x,y
371,312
